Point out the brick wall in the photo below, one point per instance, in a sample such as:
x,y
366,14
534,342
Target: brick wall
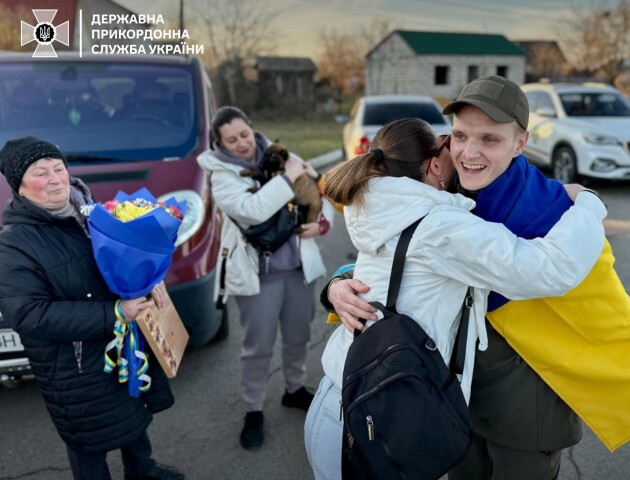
x,y
393,68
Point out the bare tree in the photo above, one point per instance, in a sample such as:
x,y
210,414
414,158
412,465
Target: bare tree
x,y
341,56
598,40
547,61
371,34
10,27
237,30
544,59
339,60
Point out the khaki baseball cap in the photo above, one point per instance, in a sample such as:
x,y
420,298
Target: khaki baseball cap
x,y
499,98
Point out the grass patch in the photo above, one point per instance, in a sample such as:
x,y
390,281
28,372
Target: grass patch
x,y
306,138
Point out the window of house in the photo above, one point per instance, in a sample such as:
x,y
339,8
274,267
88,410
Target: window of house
x,y
502,71
441,75
473,72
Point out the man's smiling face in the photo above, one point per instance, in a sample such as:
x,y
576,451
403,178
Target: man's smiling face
x,y
481,148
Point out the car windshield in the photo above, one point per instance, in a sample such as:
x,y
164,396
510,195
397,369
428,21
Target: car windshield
x,y
594,104
101,111
383,113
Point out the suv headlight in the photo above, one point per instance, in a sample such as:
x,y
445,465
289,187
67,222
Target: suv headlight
x,y
599,139
195,213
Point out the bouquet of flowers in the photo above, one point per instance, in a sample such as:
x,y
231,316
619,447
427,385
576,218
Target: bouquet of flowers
x,y
133,238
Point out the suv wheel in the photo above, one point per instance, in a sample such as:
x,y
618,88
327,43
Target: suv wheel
x,y
565,165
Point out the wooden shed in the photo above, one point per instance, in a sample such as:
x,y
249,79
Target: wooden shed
x,y
285,82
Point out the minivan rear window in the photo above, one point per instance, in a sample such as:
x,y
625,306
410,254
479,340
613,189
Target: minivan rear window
x,y
101,111
383,113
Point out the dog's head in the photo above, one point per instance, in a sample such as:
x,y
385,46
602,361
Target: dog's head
x,y
274,158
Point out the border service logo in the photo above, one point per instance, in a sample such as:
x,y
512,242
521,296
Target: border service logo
x,y
45,33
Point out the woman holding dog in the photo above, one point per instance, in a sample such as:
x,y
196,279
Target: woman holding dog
x,y
269,288
405,177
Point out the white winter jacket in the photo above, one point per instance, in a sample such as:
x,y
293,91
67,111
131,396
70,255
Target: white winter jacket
x,y
230,192
452,249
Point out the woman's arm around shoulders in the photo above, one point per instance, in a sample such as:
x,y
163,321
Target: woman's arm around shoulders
x,y
464,247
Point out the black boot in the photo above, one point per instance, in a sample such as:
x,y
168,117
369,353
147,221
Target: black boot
x,y
158,472
301,398
252,434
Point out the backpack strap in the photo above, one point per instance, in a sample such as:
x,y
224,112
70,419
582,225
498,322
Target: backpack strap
x,y
395,277
459,349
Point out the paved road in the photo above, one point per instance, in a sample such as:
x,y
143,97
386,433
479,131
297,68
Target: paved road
x,y
200,434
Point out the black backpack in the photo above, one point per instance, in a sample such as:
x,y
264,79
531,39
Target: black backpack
x,y
405,416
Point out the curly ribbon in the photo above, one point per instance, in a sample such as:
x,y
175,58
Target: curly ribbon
x,y
141,380
129,355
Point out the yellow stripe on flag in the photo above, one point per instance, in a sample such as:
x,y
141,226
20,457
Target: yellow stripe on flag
x,y
580,345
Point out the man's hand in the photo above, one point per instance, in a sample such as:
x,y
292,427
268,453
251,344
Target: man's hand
x,y
573,189
348,306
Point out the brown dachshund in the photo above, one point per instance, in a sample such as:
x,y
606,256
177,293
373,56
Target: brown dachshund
x,y
305,189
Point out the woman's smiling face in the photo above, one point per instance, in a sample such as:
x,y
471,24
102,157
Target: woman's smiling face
x,y
46,182
237,137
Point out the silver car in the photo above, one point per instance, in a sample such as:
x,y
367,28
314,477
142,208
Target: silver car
x,y
579,130
13,363
371,113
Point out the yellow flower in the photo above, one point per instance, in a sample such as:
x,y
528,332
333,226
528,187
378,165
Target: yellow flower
x,y
127,211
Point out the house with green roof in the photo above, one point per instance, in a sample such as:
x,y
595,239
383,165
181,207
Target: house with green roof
x,y
439,64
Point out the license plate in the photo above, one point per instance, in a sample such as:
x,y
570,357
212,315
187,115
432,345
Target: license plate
x,y
10,341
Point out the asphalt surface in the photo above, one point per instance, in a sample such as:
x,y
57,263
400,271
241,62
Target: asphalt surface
x,y
200,433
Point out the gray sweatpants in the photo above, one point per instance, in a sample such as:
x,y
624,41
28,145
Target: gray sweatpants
x,y
290,302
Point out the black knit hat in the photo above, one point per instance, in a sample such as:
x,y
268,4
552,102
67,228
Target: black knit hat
x,y
17,155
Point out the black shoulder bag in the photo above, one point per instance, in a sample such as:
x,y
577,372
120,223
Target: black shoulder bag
x,y
405,416
266,238
270,235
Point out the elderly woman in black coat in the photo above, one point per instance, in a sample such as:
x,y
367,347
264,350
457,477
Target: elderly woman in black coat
x,y
53,295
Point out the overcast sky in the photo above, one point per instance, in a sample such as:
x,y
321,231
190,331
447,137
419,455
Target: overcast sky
x,y
299,22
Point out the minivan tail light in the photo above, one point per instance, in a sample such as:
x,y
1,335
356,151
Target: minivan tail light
x,y
363,146
194,215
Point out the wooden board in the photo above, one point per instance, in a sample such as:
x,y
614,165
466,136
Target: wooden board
x,y
166,335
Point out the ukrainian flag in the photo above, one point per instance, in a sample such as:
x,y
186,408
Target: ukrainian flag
x,y
578,343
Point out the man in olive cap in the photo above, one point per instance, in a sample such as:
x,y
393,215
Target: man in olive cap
x,y
520,424
489,129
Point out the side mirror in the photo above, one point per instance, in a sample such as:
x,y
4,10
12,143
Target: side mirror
x,y
341,118
545,112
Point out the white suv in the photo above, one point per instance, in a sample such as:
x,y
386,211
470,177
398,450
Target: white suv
x,y
579,130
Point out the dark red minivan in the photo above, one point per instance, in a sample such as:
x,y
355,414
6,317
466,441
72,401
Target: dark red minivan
x,y
127,122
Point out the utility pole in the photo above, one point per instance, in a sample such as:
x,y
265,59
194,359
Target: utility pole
x,y
181,15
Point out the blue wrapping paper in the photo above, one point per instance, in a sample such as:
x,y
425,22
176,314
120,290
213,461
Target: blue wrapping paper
x,y
134,256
